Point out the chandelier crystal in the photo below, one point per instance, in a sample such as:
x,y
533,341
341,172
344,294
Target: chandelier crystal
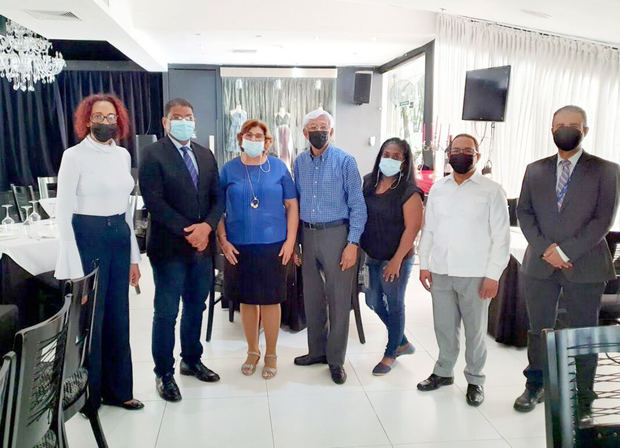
x,y
24,58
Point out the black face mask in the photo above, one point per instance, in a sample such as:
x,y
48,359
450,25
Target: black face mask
x,y
567,138
462,163
104,132
318,139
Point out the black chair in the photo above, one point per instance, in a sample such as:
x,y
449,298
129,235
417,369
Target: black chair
x,y
22,196
217,286
512,212
40,352
610,302
9,321
8,198
358,287
566,425
7,397
83,292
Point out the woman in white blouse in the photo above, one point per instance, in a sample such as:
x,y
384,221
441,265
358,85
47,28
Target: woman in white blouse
x,y
96,229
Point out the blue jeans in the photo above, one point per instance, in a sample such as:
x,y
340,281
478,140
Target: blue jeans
x,y
176,279
387,299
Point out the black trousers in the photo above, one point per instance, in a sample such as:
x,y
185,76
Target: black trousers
x,y
104,241
583,302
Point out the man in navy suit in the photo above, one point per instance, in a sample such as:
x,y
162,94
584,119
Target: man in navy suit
x,y
180,185
566,208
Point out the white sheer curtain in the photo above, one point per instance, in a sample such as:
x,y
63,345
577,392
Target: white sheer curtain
x,y
547,72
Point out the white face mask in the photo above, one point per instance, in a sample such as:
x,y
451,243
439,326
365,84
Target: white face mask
x,y
389,167
253,149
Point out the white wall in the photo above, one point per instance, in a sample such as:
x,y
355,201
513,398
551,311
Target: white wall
x,y
355,124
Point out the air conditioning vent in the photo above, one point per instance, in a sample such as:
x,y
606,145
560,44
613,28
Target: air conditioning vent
x,y
52,15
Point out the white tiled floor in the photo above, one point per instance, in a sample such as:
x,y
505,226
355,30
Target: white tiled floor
x,y
302,407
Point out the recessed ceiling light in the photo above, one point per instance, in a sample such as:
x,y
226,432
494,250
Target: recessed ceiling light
x,y
540,15
245,50
259,36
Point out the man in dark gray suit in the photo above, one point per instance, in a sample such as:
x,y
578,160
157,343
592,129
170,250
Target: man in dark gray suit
x,y
567,206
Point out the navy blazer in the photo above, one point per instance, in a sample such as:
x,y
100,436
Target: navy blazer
x,y
579,227
172,200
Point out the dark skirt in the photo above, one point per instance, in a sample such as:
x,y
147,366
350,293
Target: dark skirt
x,y
258,278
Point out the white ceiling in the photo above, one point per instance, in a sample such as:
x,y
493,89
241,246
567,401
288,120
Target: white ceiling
x,y
155,33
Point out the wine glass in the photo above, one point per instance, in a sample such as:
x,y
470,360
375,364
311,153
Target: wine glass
x,y
34,216
27,224
7,221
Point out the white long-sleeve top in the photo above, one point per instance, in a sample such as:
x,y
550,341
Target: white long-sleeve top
x,y
93,179
466,230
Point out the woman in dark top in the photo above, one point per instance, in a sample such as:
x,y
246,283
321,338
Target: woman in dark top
x,y
395,211
257,234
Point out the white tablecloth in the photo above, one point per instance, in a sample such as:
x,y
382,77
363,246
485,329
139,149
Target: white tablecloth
x,y
518,243
34,255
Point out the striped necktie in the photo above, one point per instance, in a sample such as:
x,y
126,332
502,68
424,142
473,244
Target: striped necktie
x,y
189,163
563,182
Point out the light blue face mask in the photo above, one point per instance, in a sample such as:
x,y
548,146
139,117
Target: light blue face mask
x,y
182,130
389,167
253,149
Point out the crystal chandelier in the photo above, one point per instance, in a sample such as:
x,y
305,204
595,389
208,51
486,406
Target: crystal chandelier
x,y
24,60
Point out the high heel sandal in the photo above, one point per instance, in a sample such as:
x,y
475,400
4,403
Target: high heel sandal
x,y
270,372
247,368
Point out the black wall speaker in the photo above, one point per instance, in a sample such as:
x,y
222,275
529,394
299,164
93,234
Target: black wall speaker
x,y
363,83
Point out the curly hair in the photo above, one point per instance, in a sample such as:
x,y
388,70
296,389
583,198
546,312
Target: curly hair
x,y
252,124
82,114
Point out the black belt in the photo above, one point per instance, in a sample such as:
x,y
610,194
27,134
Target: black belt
x,y
324,225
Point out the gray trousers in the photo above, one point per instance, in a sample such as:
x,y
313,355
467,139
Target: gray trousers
x,y
456,299
327,292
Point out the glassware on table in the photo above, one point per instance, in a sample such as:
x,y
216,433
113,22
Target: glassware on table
x,y
34,216
27,224
7,222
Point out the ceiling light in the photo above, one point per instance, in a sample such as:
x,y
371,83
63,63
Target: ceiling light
x,y
24,58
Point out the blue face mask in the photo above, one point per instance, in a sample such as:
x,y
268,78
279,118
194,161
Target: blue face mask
x,y
253,149
182,130
389,167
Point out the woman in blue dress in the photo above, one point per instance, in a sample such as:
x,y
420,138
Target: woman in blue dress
x,y
257,234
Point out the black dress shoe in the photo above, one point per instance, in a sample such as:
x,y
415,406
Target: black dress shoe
x,y
167,388
200,371
475,395
339,376
307,360
528,399
435,382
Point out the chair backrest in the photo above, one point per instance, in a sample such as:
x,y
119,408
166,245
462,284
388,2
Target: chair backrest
x,y
47,187
7,397
8,198
83,293
40,353
561,395
512,212
22,195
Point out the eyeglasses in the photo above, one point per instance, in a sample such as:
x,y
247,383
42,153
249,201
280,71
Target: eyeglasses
x,y
466,151
254,137
180,118
318,128
100,118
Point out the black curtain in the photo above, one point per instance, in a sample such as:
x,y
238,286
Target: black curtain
x,y
36,127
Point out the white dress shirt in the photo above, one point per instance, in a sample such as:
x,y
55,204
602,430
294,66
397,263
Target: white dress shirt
x,y
573,162
178,146
93,179
466,230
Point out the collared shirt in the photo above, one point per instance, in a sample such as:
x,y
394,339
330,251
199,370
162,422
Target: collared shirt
x,y
330,188
466,229
573,162
178,146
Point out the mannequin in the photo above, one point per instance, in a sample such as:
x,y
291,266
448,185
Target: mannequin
x,y
238,116
282,142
